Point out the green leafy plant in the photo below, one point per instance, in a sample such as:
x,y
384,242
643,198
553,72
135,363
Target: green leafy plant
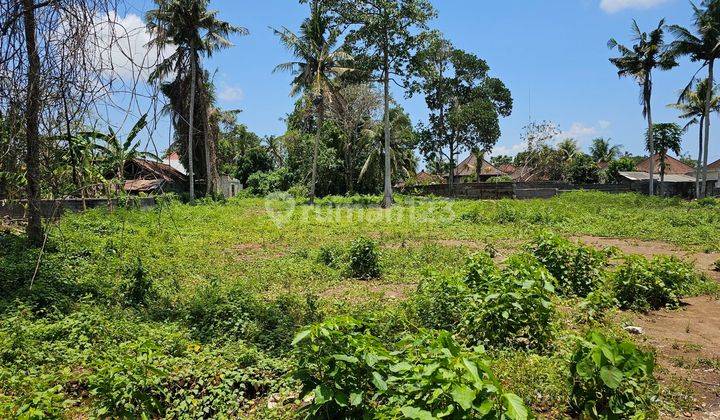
x,y
330,256
716,266
440,302
516,312
481,273
641,284
612,379
577,269
437,378
364,259
139,286
343,366
350,374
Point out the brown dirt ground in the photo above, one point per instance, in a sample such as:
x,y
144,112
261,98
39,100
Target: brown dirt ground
x,y
687,340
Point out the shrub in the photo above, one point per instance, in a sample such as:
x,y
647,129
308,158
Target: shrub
x,y
612,379
707,202
364,259
263,183
481,272
330,256
440,302
516,312
577,269
139,286
583,170
352,375
343,366
436,378
642,285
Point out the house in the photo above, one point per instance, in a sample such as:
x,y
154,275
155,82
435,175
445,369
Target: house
x,y
672,166
675,184
466,171
150,177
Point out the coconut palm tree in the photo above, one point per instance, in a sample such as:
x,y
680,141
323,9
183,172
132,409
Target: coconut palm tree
x,y
705,48
602,151
402,157
318,64
692,107
649,52
666,137
192,30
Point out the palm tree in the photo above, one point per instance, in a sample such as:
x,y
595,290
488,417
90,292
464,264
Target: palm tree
x,y
402,158
318,63
692,107
666,137
568,148
648,53
602,151
703,47
193,30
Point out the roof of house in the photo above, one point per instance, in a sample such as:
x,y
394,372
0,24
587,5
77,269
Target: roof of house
x,y
508,168
148,169
423,177
468,167
644,176
143,185
715,166
672,165
173,159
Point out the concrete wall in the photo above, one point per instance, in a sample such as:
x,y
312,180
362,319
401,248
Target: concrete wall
x,y
521,190
15,209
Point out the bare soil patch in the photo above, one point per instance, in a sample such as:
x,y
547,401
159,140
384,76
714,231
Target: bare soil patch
x,y
357,291
703,261
688,348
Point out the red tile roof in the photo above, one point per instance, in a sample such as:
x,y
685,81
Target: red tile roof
x,y
672,165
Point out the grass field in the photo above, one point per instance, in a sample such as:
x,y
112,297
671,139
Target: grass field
x,y
190,310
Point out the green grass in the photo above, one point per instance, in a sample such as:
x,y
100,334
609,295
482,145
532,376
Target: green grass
x,y
220,274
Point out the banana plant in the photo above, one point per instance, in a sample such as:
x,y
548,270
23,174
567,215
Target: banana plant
x,y
115,154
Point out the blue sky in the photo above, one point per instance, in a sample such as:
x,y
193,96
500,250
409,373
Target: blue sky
x,y
552,55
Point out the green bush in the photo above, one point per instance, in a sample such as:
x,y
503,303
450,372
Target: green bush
x,y
364,259
263,183
352,375
499,179
641,284
481,272
612,379
440,302
330,256
139,286
437,378
577,269
516,312
343,366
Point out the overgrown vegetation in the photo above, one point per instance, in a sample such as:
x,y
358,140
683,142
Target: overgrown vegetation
x,y
190,311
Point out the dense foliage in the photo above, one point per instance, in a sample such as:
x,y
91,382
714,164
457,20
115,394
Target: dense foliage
x,y
612,379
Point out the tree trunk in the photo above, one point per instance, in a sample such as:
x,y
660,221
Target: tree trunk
x,y
662,175
318,136
708,102
451,172
387,196
699,159
191,118
651,138
480,156
209,179
32,159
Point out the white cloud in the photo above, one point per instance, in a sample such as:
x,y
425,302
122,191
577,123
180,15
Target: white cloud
x,y
511,150
579,131
612,6
123,47
230,94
